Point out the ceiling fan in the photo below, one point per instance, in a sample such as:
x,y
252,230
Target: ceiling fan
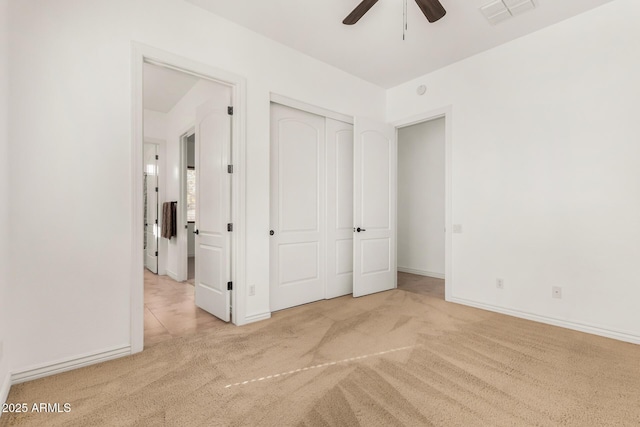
x,y
432,9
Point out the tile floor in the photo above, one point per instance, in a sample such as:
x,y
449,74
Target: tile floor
x,y
170,311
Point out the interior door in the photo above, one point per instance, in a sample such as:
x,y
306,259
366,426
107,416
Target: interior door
x,y
374,244
339,208
151,229
213,209
297,207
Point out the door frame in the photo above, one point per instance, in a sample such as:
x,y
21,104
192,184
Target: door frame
x,y
142,54
183,244
446,113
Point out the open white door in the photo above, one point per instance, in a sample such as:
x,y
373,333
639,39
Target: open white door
x,y
374,243
213,209
151,230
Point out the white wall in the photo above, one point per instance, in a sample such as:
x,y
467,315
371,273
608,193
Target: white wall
x,y
155,124
4,206
546,183
421,201
70,61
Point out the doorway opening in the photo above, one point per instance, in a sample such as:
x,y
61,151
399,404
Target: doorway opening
x,y
188,177
189,106
422,206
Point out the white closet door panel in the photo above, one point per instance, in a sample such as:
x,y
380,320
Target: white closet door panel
x,y
374,207
299,147
295,265
342,140
339,164
297,253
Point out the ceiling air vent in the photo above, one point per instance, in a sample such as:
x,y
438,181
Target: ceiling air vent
x,y
500,10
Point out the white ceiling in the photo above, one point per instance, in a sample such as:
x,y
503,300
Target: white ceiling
x,y
163,87
373,48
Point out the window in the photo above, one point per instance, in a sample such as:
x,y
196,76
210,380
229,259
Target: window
x,y
191,195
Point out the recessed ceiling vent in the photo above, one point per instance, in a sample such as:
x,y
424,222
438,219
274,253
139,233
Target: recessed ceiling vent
x,y
500,10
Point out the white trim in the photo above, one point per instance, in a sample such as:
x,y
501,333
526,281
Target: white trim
x,y
173,275
140,54
257,317
319,111
4,389
576,326
68,364
421,272
183,236
137,211
447,113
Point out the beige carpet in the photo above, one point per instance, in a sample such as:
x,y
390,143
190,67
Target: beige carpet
x,y
427,362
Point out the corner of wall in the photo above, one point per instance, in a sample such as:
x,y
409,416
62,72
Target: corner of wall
x,y
5,377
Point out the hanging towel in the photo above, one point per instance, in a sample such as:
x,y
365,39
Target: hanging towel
x,y
167,220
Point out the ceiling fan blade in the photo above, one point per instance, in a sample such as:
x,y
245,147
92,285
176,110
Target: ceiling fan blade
x,y
432,9
359,11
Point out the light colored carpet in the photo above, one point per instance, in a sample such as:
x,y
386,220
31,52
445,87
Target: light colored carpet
x,y
428,362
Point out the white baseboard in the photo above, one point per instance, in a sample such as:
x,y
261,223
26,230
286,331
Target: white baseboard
x,y
4,389
576,326
173,275
256,318
68,364
421,272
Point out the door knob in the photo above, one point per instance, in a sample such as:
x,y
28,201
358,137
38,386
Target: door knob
x,y
360,229
196,232
271,232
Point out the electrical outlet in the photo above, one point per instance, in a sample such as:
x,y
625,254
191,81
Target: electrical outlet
x,y
457,228
556,292
252,290
499,283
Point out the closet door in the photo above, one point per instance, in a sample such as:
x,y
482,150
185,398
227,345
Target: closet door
x,y
374,259
339,208
297,207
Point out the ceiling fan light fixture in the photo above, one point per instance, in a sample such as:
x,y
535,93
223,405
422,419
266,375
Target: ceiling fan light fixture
x,y
516,7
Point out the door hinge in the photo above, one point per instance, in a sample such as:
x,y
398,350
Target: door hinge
x,y
156,189
156,221
156,253
157,157
230,111
229,168
229,286
229,227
